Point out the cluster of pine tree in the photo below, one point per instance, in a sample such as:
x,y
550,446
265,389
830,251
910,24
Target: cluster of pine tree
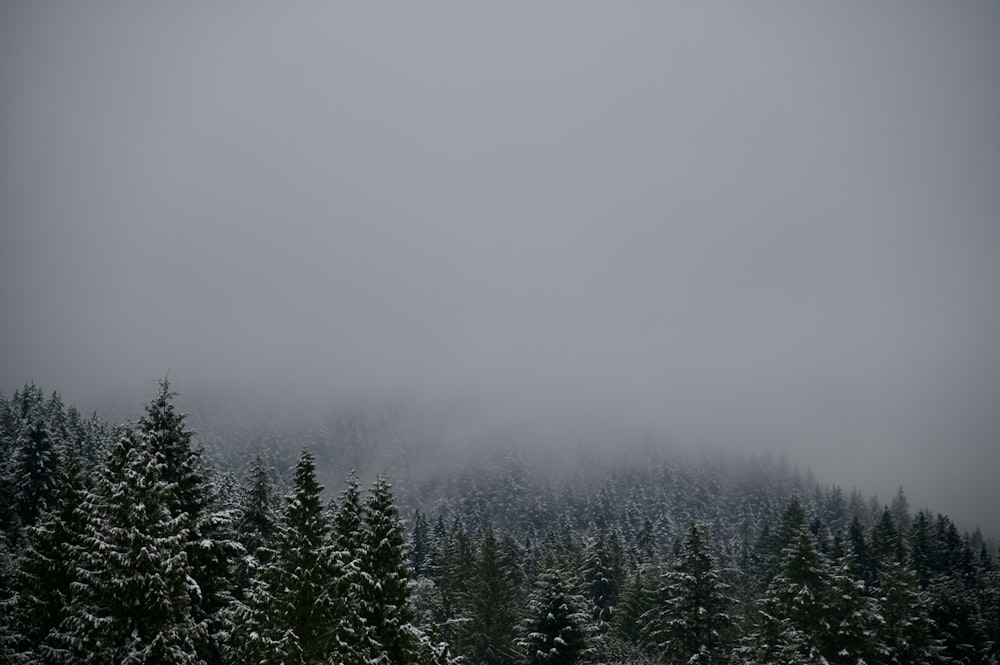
x,y
126,546
897,593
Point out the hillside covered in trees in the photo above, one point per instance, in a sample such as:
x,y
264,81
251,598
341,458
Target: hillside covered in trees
x,y
147,543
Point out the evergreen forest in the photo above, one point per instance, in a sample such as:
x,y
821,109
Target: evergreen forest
x,y
347,542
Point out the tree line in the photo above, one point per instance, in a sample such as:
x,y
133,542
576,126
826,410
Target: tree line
x,y
126,545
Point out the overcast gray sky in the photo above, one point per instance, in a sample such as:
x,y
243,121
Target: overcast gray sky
x,y
767,225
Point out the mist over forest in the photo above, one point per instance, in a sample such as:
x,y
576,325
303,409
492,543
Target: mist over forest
x,y
581,251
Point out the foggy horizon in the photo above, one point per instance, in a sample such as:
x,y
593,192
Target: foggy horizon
x,y
770,228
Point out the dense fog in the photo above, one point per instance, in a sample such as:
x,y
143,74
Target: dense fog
x,y
756,228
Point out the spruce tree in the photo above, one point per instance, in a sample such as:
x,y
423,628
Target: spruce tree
x,y
638,598
493,602
602,583
295,613
887,541
795,622
957,623
921,546
907,629
133,603
347,522
34,468
385,577
557,628
691,622
47,571
453,582
419,545
854,619
256,524
210,544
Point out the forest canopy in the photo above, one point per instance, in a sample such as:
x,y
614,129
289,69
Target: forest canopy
x,y
141,543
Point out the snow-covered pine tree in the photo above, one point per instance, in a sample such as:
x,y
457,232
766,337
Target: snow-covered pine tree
x,y
295,612
691,622
419,544
34,468
210,544
887,540
854,619
921,547
602,585
47,567
455,557
637,598
10,640
133,600
907,629
385,578
958,625
347,522
864,559
794,625
493,600
256,523
557,628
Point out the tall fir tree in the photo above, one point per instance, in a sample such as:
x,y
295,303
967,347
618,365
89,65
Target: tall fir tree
x,y
557,628
34,468
348,520
907,630
296,612
493,599
638,598
133,603
256,524
795,623
691,622
385,578
210,544
854,619
602,583
419,546
47,570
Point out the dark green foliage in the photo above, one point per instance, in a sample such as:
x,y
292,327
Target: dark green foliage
x,y
453,584
557,628
958,626
419,545
347,522
296,612
493,605
864,559
854,619
384,580
169,436
887,541
600,574
256,525
47,568
795,616
690,621
209,542
638,598
134,601
33,470
922,548
906,629
818,578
